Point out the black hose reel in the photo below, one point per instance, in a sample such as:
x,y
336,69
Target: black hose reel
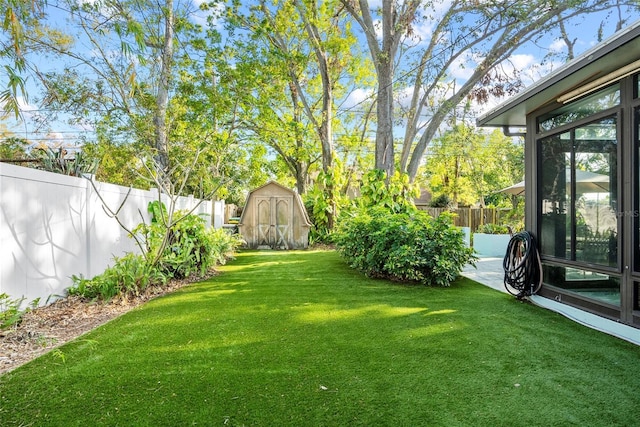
x,y
522,266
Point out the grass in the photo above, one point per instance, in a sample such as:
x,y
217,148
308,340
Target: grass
x,y
299,339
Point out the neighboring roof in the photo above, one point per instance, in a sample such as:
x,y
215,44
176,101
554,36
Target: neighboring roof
x,y
612,54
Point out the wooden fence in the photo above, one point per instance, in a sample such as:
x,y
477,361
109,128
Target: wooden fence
x,y
471,217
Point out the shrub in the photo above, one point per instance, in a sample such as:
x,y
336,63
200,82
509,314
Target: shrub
x,y
406,246
10,312
190,249
222,245
129,275
493,229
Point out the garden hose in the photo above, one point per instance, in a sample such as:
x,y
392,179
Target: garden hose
x,y
522,266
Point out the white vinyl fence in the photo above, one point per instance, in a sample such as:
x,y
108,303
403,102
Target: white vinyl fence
x,y
53,226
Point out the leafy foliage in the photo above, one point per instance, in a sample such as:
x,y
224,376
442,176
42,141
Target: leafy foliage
x,y
440,201
192,249
325,201
468,166
130,274
493,229
58,160
11,146
119,163
397,195
388,237
407,246
10,312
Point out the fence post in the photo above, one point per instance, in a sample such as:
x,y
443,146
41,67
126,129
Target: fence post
x,y
87,226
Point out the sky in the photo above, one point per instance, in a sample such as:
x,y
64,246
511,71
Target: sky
x,y
527,60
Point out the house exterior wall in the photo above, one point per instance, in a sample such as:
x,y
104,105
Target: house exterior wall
x,y
589,263
576,109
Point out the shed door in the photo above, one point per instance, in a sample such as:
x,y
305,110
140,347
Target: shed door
x,y
274,221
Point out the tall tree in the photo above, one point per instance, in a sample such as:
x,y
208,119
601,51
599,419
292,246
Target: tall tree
x,y
124,78
396,23
479,36
301,56
467,165
308,51
140,75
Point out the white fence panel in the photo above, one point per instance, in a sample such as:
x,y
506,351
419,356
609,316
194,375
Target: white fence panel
x,y
54,226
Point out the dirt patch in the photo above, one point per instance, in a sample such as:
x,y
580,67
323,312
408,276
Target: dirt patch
x,y
48,327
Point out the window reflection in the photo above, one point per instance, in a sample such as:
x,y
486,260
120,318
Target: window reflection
x,y
555,195
578,194
600,101
587,284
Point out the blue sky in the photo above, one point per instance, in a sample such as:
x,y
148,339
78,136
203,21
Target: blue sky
x,y
527,60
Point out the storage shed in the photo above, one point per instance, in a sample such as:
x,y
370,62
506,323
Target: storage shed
x,y
274,217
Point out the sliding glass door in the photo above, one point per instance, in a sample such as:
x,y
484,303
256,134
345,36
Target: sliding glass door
x,y
577,196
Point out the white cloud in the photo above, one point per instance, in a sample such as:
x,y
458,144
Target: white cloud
x,y
25,105
522,62
403,98
357,97
558,45
55,138
423,31
377,25
462,67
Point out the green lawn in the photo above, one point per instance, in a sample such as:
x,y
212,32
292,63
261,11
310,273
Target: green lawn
x,y
299,339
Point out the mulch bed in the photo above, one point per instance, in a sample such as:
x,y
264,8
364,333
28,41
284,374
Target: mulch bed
x,y
45,328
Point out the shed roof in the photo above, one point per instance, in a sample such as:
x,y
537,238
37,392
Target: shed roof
x,y
296,196
273,183
602,61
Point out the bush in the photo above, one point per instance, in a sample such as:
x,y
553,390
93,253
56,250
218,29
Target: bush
x,y
191,249
222,245
493,229
10,312
188,248
129,275
407,246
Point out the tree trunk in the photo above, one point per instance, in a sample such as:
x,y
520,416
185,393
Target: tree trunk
x,y
384,133
385,72
162,99
395,22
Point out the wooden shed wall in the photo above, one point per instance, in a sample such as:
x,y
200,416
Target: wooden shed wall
x,y
274,217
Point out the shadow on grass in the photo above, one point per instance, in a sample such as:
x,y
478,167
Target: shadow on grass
x,y
298,338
